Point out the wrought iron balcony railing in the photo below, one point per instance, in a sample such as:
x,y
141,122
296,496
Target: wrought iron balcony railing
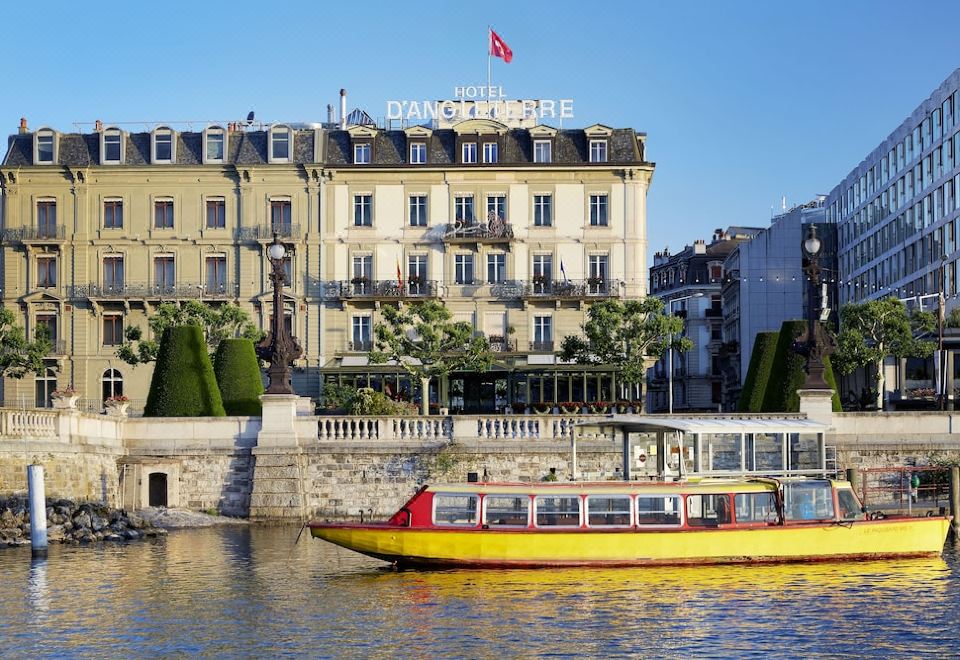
x,y
126,290
501,344
57,347
495,230
266,231
573,289
541,347
34,234
363,345
363,289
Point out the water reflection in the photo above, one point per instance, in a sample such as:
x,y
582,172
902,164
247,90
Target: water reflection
x,y
251,590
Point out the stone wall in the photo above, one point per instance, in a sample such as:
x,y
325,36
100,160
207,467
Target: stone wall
x,y
88,472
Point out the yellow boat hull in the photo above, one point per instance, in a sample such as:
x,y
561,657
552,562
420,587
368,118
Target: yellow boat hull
x,y
905,537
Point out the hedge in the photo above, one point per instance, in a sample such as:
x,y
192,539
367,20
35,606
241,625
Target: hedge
x,y
237,370
758,373
788,374
183,384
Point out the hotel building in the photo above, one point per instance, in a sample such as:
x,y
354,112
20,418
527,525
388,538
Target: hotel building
x,y
517,229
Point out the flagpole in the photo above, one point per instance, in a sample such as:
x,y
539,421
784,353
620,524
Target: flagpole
x,y
489,83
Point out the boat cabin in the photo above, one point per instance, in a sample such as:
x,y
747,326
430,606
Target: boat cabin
x,y
639,507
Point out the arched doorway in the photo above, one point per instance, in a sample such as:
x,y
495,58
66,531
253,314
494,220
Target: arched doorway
x,y
111,384
158,489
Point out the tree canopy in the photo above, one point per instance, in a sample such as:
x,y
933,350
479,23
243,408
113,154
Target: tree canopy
x,y
18,355
627,335
422,339
217,323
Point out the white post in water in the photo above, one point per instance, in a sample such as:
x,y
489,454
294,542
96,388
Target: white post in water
x,y
38,509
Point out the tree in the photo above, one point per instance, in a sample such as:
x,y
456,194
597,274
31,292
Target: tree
x,y
183,384
872,330
626,335
217,323
237,370
423,340
18,355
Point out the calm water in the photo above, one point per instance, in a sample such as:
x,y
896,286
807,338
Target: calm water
x,y
251,591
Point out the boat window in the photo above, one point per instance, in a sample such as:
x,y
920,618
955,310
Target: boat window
x,y
558,511
455,509
849,506
506,511
608,511
658,510
811,500
756,508
708,510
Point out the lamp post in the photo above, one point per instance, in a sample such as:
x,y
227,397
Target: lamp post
x,y
670,350
813,344
279,348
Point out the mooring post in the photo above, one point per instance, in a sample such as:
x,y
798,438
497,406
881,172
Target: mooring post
x,y
955,498
38,510
853,476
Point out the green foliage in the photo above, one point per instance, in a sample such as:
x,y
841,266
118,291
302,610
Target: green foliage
x,y
758,373
18,355
217,323
788,373
367,401
183,383
337,397
953,318
237,370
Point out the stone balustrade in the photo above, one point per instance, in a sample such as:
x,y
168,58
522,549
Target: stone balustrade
x,y
28,423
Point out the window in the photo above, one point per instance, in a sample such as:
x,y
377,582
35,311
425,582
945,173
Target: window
x,y
506,511
808,501
542,269
363,210
598,151
597,281
418,153
418,210
708,510
496,207
542,151
112,329
598,210
468,152
111,384
490,152
111,145
417,273
850,508
755,508
463,268
280,216
361,333
542,210
279,144
361,153
542,330
46,326
613,511
496,268
46,218
163,213
45,148
163,146
113,273
455,509
658,510
163,275
216,213
362,273
112,213
555,511
46,271
45,385
214,145
463,209
216,275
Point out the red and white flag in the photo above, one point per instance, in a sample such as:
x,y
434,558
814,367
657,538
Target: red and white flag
x,y
499,47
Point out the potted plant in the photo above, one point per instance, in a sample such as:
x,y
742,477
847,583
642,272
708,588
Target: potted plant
x,y
571,407
519,407
116,406
65,399
543,408
637,407
599,407
621,406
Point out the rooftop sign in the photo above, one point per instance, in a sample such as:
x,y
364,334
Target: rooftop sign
x,y
480,102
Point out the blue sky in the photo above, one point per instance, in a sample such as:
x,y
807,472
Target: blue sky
x,y
743,102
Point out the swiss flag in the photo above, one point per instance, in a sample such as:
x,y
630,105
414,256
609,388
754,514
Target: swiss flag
x,y
499,47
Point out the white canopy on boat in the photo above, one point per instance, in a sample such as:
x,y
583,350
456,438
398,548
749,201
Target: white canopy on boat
x,y
710,424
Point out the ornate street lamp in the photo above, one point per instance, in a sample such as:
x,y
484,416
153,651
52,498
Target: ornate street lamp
x,y
814,344
279,348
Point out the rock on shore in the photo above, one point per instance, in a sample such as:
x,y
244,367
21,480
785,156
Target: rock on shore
x,y
72,522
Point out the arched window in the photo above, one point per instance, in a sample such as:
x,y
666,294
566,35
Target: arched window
x,y
164,145
112,146
45,147
281,144
45,385
214,144
112,383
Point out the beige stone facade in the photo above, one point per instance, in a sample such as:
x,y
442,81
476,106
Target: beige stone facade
x,y
516,230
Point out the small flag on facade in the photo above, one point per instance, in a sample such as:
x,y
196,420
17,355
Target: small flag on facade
x,y
499,47
399,273
563,271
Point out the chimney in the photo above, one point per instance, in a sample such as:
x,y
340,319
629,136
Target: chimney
x,y
23,125
343,109
98,126
699,246
329,113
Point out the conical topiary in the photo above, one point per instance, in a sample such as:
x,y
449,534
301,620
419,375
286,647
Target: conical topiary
x,y
238,375
788,373
758,373
183,383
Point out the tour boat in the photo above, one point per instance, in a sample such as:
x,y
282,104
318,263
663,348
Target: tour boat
x,y
710,521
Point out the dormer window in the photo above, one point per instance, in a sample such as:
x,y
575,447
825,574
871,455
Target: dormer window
x,y
418,153
361,153
468,152
111,147
280,140
598,151
214,145
164,146
491,152
45,147
542,151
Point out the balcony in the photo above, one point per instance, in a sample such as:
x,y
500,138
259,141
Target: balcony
x,y
142,291
713,313
594,287
541,347
361,346
501,344
57,347
265,232
43,234
363,289
495,230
